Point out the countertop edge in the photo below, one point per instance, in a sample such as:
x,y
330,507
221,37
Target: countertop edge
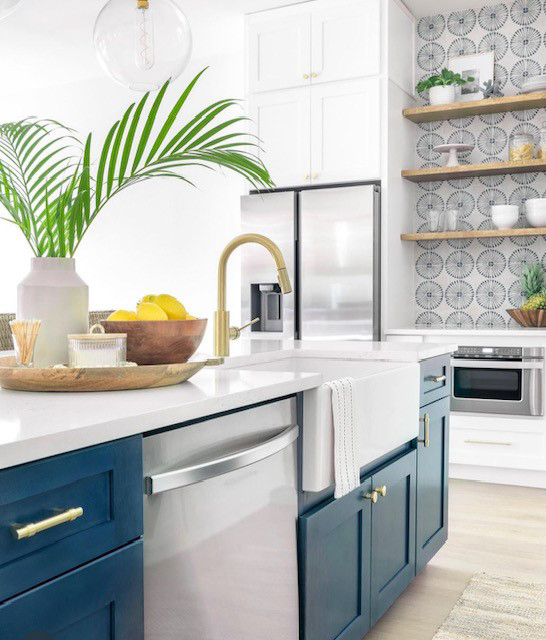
x,y
50,444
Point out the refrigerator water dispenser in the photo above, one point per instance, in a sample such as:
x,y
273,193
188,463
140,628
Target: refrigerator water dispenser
x,y
266,301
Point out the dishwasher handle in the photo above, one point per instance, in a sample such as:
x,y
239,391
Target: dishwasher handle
x,y
193,474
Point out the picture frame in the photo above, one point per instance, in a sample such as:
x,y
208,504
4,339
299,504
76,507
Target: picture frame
x,y
480,66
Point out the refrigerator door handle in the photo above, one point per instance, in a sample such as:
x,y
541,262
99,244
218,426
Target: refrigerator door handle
x,y
192,474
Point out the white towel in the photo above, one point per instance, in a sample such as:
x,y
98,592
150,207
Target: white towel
x,y
346,468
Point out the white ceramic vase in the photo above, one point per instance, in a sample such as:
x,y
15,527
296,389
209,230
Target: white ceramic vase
x,y
54,293
442,94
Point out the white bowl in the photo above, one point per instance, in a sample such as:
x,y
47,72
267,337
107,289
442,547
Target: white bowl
x,y
504,216
535,204
535,217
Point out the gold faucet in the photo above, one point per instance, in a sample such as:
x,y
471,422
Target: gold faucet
x,y
223,333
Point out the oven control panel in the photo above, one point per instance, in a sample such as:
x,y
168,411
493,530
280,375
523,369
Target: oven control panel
x,y
499,353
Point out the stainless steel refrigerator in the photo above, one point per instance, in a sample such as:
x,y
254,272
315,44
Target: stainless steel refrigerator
x,y
330,238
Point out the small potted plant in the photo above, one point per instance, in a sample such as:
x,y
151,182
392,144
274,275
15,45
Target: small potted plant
x,y
441,88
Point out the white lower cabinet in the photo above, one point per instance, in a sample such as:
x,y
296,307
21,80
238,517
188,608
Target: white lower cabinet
x,y
498,448
321,134
345,131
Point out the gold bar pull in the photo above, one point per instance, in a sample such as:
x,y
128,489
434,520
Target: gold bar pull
x,y
441,378
426,439
500,444
31,529
382,491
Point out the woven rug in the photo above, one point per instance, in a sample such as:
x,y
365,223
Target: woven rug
x,y
495,608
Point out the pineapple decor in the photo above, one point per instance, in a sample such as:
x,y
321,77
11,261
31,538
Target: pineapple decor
x,y
533,285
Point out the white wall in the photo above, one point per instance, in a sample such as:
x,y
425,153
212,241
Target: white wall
x,y
161,236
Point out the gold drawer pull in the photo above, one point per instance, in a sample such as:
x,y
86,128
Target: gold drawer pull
x,y
441,378
373,496
382,491
500,444
426,439
31,529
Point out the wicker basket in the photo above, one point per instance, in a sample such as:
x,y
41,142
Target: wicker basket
x,y
6,343
528,318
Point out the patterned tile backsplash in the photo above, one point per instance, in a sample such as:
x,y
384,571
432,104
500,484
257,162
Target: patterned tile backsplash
x,y
470,283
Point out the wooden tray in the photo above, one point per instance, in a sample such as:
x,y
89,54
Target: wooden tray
x,y
97,379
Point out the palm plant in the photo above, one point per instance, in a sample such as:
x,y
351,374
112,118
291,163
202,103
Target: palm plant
x,y
51,189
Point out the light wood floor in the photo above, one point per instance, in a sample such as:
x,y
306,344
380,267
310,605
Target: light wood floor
x,y
493,528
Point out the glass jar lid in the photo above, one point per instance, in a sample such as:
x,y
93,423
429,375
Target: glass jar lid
x,y
101,335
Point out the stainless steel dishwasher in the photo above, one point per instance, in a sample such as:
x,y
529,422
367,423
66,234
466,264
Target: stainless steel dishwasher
x,y
220,513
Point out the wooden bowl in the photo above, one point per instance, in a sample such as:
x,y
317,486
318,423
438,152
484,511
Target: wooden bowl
x,y
161,341
528,318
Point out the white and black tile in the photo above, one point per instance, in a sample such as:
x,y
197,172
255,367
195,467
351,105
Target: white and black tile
x,y
470,283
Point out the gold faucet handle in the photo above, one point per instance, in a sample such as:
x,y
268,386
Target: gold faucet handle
x,y
235,332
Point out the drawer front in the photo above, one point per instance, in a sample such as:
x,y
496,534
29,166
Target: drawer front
x,y
100,601
105,482
435,379
488,447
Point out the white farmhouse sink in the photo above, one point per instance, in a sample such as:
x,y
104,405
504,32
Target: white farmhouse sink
x,y
386,411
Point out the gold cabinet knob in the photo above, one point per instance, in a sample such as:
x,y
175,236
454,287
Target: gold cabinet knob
x,y
306,177
306,76
373,496
382,491
314,74
314,176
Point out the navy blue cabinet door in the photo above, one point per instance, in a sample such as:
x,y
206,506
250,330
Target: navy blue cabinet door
x,y
335,568
102,600
432,480
393,533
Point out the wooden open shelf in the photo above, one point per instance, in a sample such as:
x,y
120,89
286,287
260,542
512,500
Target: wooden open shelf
x,y
473,170
490,233
476,108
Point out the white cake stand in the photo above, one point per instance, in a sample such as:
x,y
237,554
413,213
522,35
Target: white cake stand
x,y
453,150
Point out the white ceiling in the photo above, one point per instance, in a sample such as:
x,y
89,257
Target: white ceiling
x,y
421,8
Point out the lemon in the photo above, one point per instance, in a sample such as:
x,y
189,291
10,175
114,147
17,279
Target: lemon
x,y
150,311
174,309
150,297
122,316
188,317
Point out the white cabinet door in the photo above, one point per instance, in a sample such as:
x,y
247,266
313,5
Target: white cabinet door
x,y
346,42
282,122
279,52
345,131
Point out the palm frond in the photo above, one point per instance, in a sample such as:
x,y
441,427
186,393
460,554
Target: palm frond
x,y
54,193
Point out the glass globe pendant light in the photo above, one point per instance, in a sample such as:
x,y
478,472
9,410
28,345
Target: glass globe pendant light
x,y
142,43
7,7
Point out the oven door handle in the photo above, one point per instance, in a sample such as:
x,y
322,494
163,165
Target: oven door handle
x,y
495,364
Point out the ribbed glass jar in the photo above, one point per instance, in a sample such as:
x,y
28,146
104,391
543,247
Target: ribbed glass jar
x,y
91,350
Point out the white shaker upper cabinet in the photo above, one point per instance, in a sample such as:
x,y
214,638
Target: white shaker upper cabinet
x,y
346,42
345,131
282,121
279,52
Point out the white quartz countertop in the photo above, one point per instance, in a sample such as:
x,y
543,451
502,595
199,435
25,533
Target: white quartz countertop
x,y
512,332
248,352
38,425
